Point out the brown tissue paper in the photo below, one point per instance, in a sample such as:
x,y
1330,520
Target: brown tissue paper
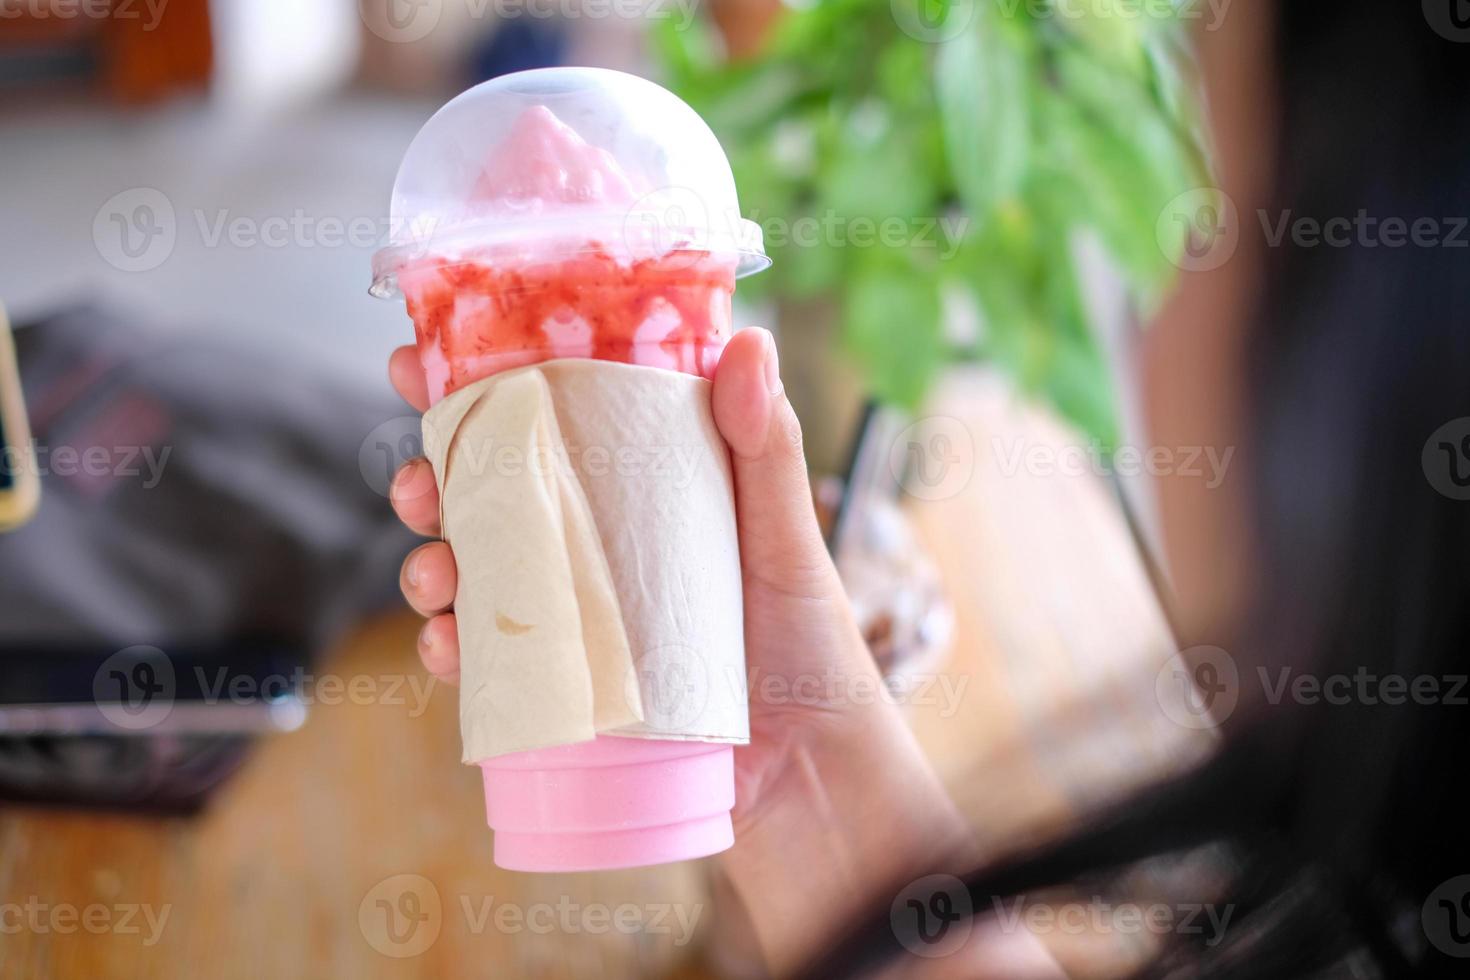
x,y
591,511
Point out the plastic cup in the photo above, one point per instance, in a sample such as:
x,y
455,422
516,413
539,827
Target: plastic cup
x,y
576,212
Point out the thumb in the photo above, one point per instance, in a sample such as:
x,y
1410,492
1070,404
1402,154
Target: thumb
x,y
781,546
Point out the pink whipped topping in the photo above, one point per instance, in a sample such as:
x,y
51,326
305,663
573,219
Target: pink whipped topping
x,y
543,165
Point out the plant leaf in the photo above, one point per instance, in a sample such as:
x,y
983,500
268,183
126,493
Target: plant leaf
x,y
891,325
982,84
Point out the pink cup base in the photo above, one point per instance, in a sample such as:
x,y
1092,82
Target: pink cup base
x,y
610,803
616,849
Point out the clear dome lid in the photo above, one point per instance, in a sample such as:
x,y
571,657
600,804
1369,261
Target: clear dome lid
x,y
551,162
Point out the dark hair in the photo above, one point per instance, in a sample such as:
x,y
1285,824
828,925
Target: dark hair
x,y
1338,821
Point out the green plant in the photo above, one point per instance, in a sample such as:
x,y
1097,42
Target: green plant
x,y
1026,124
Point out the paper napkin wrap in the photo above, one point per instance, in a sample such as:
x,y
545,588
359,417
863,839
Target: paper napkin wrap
x,y
591,511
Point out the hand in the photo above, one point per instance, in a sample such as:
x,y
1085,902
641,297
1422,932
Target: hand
x,y
834,800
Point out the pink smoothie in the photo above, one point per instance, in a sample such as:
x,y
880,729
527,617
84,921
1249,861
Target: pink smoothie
x,y
497,308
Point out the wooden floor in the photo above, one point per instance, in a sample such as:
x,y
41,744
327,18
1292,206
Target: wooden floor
x,y
356,846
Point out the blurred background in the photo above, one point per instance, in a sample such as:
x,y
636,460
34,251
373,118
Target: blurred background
x,y
971,206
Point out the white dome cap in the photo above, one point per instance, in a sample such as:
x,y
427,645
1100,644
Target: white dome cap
x,y
559,160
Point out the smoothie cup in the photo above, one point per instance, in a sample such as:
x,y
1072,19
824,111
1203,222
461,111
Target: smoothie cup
x,y
576,212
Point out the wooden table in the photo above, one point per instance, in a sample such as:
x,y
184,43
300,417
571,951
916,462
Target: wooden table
x,y
356,846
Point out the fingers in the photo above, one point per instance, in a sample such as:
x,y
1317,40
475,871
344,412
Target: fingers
x,y
439,647
415,497
407,375
429,578
780,543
